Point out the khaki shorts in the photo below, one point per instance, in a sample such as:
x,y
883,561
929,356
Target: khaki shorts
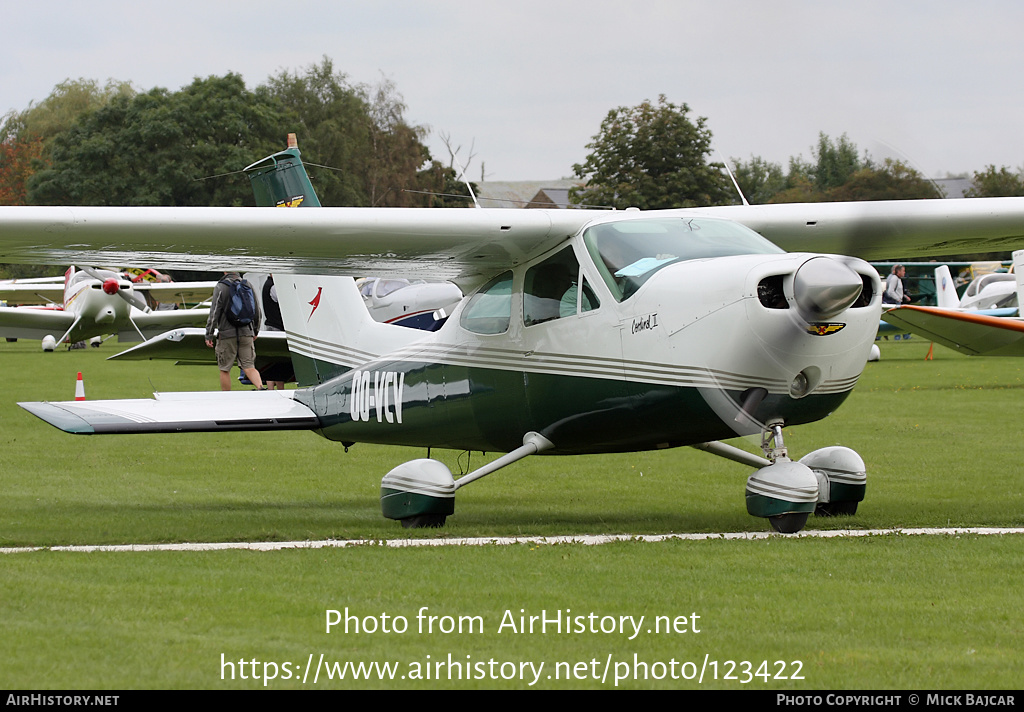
x,y
231,348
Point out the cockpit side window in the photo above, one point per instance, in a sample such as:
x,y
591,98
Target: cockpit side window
x,y
489,311
551,289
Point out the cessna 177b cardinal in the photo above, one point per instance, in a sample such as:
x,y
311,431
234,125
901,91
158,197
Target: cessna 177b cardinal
x,y
587,332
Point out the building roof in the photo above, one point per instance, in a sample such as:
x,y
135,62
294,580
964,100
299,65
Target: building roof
x,y
525,194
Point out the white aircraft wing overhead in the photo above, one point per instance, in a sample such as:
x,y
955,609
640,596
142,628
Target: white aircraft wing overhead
x,y
875,230
972,334
29,323
43,293
462,244
203,411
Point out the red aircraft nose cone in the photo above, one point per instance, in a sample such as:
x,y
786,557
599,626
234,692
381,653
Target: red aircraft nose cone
x,y
110,286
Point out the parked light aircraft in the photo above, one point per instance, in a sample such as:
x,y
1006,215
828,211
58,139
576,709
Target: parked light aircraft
x,y
996,290
91,302
587,332
975,332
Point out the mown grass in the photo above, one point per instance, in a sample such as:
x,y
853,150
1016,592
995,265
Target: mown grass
x,y
890,612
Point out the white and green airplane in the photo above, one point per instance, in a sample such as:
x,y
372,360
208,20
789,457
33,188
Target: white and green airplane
x,y
583,332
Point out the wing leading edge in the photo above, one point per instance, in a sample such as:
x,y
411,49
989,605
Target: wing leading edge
x,y
464,245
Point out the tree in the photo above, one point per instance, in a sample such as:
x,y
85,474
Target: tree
x,y
375,156
163,148
398,151
992,183
68,101
331,119
24,135
838,174
893,180
836,162
759,179
17,157
651,156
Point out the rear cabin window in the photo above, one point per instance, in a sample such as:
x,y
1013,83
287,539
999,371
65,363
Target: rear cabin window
x,y
489,311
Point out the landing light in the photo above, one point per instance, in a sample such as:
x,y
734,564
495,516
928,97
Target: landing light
x,y
801,385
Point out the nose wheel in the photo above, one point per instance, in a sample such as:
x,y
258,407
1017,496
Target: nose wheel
x,y
789,523
829,482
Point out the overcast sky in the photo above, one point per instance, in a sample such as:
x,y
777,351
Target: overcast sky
x,y
527,83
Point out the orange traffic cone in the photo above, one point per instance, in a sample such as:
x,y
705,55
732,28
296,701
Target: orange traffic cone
x,y
79,388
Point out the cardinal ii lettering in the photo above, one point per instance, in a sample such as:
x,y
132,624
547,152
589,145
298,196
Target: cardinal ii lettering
x,y
377,393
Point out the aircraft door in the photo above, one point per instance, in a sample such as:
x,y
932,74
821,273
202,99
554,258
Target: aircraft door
x,y
572,375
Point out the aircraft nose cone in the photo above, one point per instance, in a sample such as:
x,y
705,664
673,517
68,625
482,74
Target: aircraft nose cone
x,y
824,288
110,286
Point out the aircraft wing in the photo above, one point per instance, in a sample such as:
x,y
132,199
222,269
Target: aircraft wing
x,y
969,333
154,323
181,292
203,411
188,345
29,323
462,244
875,230
39,293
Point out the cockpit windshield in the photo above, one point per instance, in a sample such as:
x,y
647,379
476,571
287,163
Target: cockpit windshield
x,y
629,252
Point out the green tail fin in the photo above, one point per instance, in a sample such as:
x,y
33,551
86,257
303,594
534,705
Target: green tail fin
x,y
281,180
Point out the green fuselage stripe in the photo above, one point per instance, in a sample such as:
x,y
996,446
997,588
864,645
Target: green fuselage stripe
x,y
490,409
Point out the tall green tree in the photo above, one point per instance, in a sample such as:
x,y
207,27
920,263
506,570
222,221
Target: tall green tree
x,y
760,180
836,162
893,180
839,173
368,154
331,119
69,100
25,135
651,156
163,148
994,183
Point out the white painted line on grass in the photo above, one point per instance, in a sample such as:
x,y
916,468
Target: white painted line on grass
x,y
584,539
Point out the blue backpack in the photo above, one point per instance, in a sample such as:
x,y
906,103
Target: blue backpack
x,y
241,306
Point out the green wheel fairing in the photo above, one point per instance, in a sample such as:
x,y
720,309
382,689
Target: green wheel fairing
x,y
840,492
760,506
580,415
398,504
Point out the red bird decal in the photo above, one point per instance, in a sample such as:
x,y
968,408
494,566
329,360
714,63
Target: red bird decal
x,y
315,302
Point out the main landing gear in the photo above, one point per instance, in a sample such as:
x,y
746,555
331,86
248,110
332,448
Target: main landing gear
x,y
421,493
828,482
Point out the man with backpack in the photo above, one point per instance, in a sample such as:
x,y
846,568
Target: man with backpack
x,y
234,323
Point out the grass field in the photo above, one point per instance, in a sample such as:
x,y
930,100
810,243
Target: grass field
x,y
890,612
